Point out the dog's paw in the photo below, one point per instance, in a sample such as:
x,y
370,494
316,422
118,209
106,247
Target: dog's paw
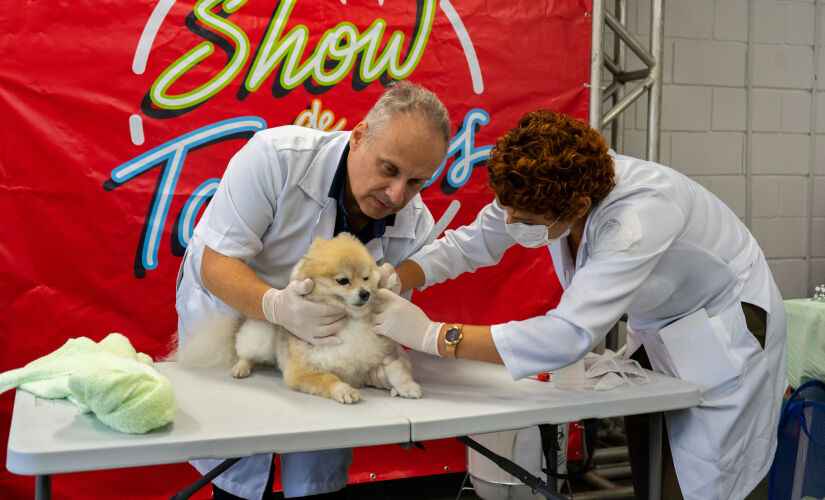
x,y
346,394
408,390
389,279
242,368
393,283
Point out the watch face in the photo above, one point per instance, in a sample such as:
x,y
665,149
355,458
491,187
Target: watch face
x,y
452,335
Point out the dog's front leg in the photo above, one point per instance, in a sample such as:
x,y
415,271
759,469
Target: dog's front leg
x,y
399,374
306,379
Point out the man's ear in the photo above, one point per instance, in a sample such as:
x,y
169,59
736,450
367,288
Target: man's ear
x,y
583,206
358,135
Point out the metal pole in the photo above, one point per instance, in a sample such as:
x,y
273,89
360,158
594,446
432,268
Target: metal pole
x,y
620,58
43,487
655,457
628,99
809,284
634,45
657,43
749,115
596,64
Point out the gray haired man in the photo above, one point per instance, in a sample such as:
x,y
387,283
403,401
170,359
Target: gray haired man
x,y
285,187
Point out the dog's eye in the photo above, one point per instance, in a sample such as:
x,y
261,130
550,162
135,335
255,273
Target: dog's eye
x,y
366,278
343,281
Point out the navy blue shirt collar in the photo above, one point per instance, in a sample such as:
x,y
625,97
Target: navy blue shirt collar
x,y
375,228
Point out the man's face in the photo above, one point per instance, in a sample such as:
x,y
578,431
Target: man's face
x,y
385,172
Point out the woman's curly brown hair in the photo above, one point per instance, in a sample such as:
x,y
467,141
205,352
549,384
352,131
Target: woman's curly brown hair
x,y
547,163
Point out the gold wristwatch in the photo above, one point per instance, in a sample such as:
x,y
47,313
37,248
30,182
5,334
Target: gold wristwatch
x,y
452,337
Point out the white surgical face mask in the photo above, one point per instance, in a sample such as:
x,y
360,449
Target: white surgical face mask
x,y
533,235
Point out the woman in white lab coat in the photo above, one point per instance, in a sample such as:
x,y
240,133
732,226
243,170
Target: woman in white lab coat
x,y
626,236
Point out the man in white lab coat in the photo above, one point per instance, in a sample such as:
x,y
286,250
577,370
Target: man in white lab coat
x,y
285,187
626,236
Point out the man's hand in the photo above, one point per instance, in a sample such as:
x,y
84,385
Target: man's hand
x,y
389,279
313,322
405,323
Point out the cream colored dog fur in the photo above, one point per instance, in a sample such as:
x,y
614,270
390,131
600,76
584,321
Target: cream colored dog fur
x,y
344,274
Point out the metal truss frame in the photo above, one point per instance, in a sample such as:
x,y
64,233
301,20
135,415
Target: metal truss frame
x,y
649,79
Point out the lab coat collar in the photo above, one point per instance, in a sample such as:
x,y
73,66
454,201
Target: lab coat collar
x,y
319,175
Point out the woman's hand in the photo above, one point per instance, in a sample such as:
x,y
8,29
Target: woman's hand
x,y
406,323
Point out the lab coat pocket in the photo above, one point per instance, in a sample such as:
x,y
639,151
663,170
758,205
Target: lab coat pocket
x,y
699,351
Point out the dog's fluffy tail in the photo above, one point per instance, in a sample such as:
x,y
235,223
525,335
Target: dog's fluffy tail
x,y
212,345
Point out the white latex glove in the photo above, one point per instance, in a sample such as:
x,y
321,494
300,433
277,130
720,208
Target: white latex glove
x,y
405,323
313,322
389,279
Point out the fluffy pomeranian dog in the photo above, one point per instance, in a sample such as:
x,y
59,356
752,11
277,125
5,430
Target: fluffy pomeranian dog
x,y
344,274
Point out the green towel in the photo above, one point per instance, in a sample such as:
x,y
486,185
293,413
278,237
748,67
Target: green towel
x,y
109,378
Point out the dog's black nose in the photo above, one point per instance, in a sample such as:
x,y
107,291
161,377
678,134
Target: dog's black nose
x,y
364,295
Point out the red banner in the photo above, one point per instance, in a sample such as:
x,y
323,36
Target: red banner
x,y
118,120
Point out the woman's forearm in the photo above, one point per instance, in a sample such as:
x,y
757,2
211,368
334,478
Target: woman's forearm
x,y
410,274
476,343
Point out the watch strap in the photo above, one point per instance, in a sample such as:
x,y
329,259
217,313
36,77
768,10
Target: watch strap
x,y
451,344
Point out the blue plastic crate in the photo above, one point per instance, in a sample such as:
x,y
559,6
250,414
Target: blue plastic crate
x,y
798,469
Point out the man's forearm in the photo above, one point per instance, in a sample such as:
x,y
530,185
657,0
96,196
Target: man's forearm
x,y
232,281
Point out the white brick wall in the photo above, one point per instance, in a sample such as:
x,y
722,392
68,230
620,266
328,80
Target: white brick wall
x,y
783,196
709,63
705,119
820,112
729,109
796,111
820,157
781,237
799,23
767,110
789,275
769,23
793,196
730,21
706,153
778,153
686,107
731,190
693,19
785,66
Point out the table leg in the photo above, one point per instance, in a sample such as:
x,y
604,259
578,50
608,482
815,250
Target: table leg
x,y
552,461
536,484
43,487
655,457
204,480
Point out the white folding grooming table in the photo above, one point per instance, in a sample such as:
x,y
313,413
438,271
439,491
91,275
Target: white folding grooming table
x,y
222,417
